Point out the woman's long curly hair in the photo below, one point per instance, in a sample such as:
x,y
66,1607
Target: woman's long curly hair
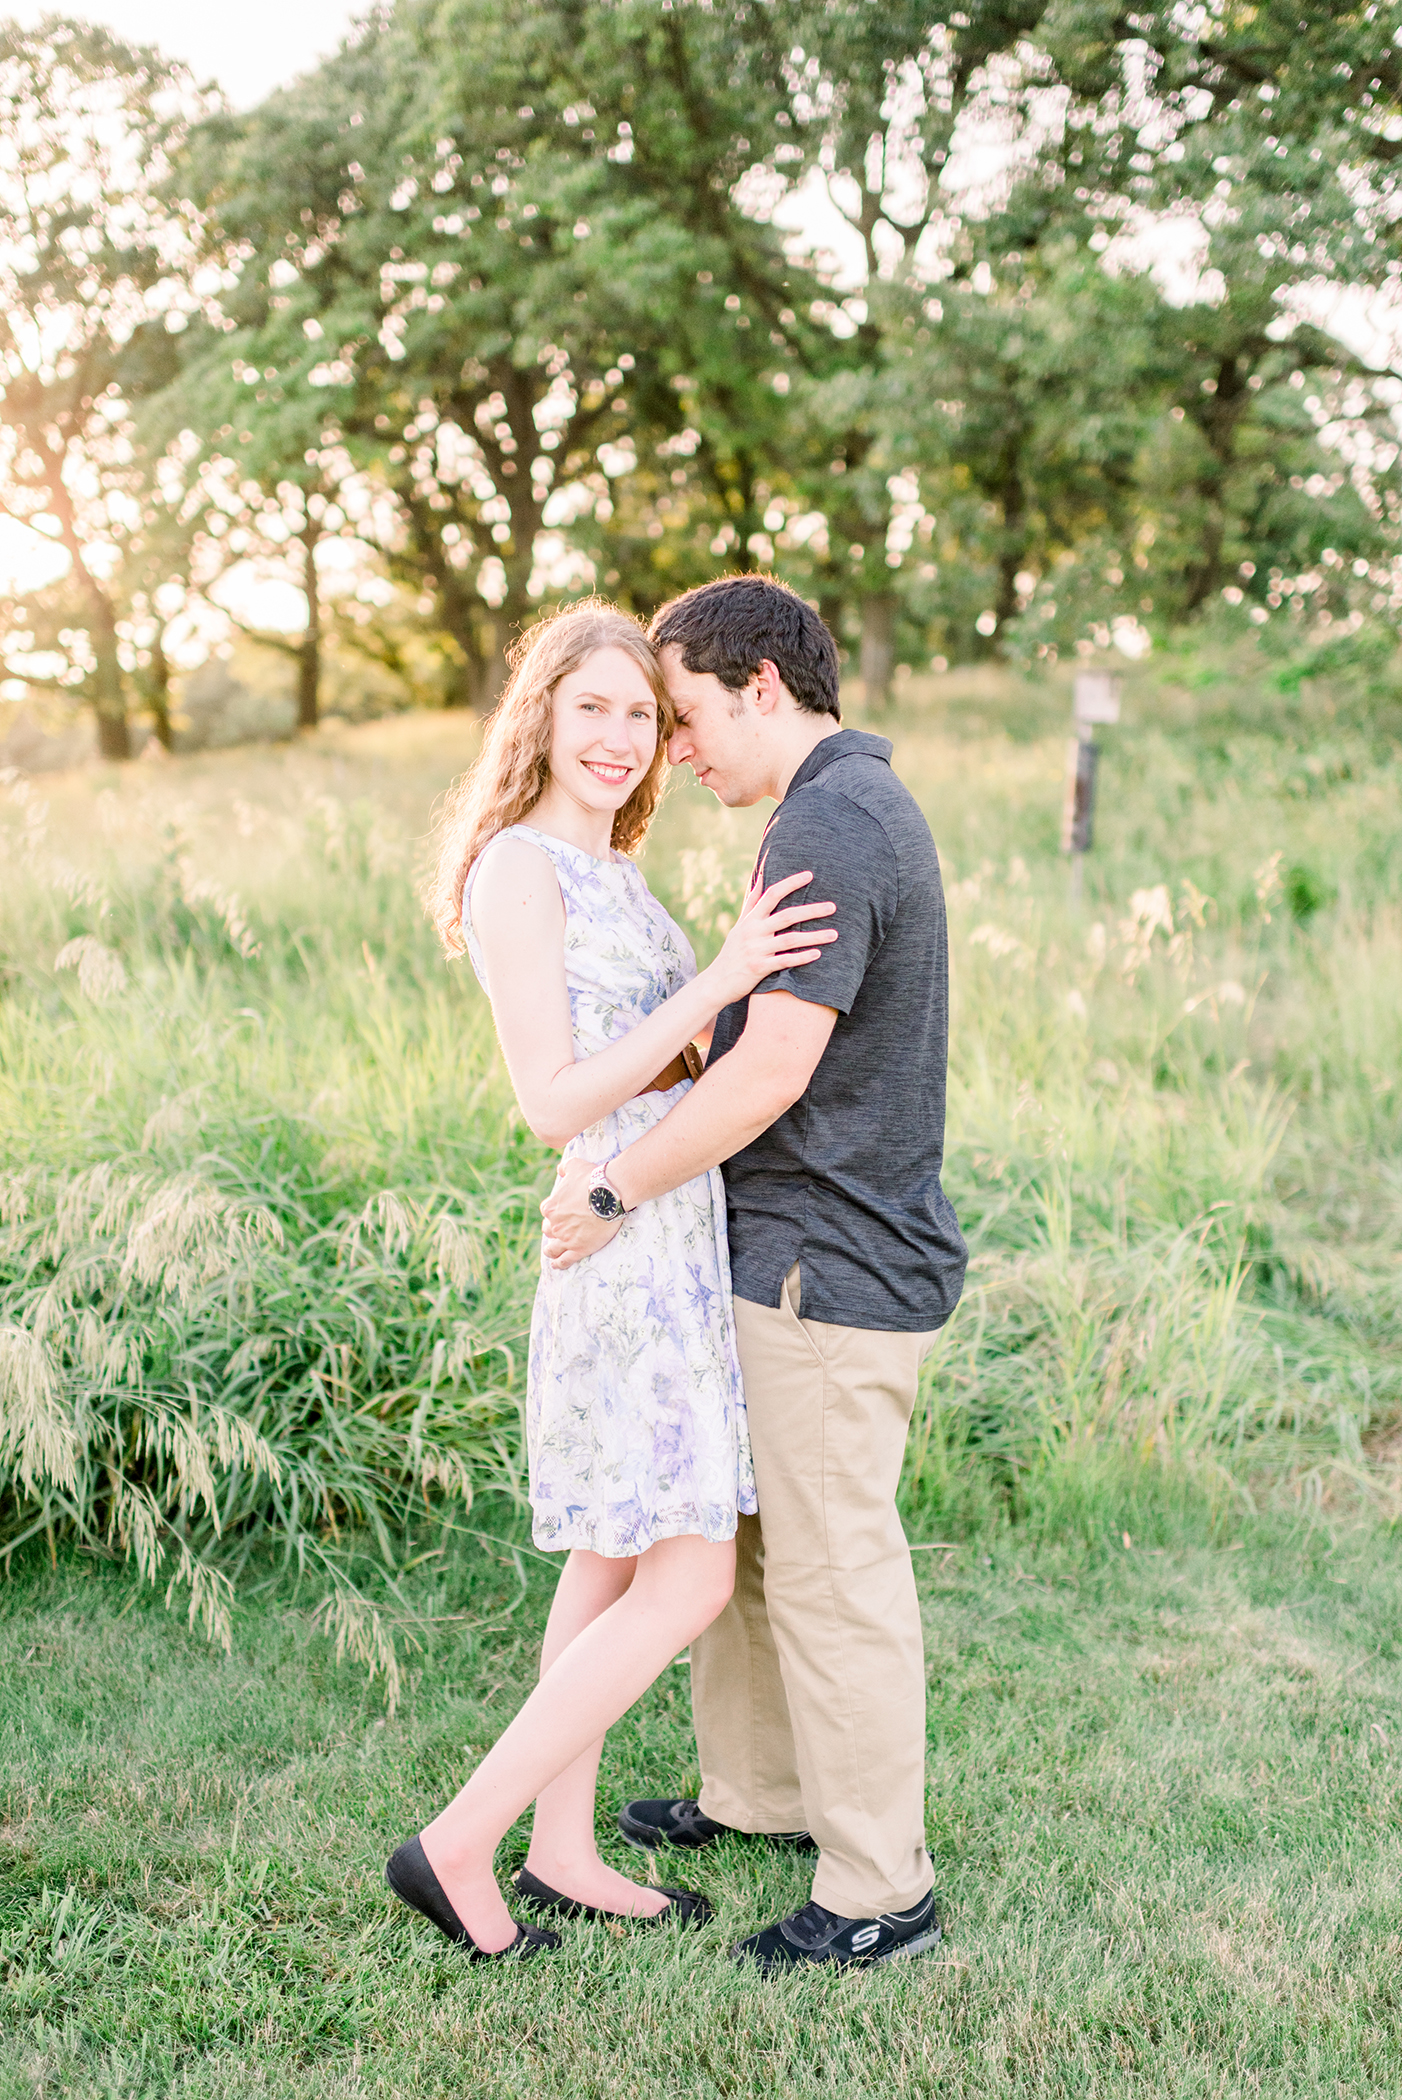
x,y
512,769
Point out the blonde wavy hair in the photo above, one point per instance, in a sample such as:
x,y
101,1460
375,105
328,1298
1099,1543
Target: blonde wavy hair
x,y
512,769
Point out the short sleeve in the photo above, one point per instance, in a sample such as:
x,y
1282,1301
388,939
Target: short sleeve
x,y
854,867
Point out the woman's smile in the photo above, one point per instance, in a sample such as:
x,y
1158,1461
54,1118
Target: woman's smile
x,y
607,771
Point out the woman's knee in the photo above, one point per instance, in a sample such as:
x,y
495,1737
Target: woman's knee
x,y
709,1582
599,1577
689,1579
721,1590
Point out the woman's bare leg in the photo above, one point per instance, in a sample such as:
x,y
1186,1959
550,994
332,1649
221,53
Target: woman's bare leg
x,y
564,1853
678,1586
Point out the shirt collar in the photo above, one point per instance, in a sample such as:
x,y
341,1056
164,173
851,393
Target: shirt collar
x,y
847,743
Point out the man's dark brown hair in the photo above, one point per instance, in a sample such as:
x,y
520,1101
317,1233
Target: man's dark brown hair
x,y
730,627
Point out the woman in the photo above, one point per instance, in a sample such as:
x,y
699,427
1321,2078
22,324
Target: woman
x,y
639,1456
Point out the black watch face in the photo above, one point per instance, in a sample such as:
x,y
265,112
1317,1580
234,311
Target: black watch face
x,y
605,1204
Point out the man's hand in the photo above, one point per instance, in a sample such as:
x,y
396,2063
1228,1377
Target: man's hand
x,y
728,1107
572,1229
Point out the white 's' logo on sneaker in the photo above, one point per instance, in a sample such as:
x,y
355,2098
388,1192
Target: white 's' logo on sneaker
x,y
867,1937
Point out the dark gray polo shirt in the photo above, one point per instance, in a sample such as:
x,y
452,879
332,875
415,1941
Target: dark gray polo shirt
x,y
847,1182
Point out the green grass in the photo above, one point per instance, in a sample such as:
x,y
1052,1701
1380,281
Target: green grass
x,y
266,1243
267,1209
1164,1803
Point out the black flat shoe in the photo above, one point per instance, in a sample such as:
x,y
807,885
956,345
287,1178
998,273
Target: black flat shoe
x,y
686,1905
414,1882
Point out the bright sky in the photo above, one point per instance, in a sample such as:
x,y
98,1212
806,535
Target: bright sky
x,y
249,48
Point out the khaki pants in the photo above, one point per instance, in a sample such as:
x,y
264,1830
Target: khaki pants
x,y
809,1690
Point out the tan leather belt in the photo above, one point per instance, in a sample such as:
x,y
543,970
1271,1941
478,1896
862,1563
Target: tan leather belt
x,y
687,1064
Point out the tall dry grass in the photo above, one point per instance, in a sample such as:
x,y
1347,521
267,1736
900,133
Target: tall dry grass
x,y
267,1212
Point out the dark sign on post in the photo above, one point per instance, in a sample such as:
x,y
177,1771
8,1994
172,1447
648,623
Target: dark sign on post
x,y
1096,699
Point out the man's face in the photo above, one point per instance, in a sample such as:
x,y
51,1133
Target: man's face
x,y
719,733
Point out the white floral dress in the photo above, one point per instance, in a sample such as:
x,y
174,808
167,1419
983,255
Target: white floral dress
x,y
635,1410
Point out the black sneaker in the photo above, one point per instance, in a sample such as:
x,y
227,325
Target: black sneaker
x,y
648,1824
817,1935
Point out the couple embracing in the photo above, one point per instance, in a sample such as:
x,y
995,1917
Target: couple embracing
x,y
747,1252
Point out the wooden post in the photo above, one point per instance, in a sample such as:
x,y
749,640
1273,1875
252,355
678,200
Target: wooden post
x,y
1096,698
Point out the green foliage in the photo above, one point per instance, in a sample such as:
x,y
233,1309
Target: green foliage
x,y
527,298
185,1368
91,302
252,1317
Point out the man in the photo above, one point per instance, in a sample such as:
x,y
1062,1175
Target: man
x,y
823,1096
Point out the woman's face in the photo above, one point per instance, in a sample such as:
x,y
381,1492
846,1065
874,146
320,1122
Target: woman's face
x,y
605,731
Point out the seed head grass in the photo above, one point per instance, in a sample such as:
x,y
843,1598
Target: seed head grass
x,y
269,1215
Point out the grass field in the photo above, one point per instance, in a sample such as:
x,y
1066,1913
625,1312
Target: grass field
x,y
268,1208
267,1218
1165,1804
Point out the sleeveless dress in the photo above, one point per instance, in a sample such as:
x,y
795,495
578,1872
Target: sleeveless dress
x,y
635,1410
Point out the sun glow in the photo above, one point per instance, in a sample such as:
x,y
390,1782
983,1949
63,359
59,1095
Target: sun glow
x,y
28,560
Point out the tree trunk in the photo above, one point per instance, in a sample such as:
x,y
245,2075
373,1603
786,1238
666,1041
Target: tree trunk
x,y
510,620
113,740
158,691
1218,417
1009,566
830,607
878,650
459,611
504,626
467,622
309,655
502,630
1204,575
1012,550
109,687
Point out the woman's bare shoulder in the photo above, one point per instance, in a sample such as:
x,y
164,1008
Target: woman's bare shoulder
x,y
514,876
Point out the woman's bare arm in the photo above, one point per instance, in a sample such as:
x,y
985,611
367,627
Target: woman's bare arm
x,y
518,917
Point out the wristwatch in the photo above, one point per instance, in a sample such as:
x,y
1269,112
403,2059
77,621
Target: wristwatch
x,y
604,1199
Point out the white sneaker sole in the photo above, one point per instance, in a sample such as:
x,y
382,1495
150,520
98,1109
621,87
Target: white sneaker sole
x,y
902,1951
921,1944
